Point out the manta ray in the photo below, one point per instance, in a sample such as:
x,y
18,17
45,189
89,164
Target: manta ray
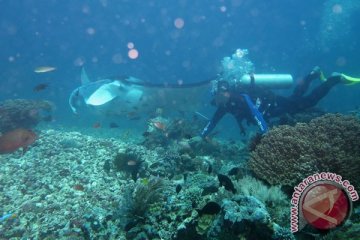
x,y
122,96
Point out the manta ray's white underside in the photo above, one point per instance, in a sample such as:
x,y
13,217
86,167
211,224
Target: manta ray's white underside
x,y
118,97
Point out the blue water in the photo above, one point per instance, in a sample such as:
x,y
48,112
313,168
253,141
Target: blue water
x,y
282,36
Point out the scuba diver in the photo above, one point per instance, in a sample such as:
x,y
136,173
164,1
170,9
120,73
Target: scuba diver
x,y
258,104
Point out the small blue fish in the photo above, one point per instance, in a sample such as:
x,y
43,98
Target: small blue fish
x,y
7,216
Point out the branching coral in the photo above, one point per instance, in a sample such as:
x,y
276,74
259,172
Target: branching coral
x,y
329,143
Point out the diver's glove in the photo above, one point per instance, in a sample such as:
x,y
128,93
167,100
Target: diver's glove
x,y
203,134
317,73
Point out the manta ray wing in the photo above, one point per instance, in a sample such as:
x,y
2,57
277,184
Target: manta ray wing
x,y
104,94
144,100
84,77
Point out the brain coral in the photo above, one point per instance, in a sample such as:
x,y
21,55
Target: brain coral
x,y
330,143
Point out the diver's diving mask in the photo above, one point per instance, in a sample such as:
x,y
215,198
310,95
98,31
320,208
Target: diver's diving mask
x,y
221,92
220,86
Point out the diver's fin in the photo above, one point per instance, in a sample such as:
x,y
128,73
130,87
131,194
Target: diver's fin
x,y
104,94
350,80
258,117
84,77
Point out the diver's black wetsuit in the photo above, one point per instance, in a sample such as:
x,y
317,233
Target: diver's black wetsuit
x,y
271,105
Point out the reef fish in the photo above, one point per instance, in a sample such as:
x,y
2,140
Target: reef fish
x,y
226,182
44,69
7,216
159,125
40,87
18,138
113,125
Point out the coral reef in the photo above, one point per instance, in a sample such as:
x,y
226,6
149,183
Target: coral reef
x,y
301,117
74,186
162,131
250,186
136,204
59,191
182,136
128,162
245,214
349,231
275,200
286,155
21,113
240,217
